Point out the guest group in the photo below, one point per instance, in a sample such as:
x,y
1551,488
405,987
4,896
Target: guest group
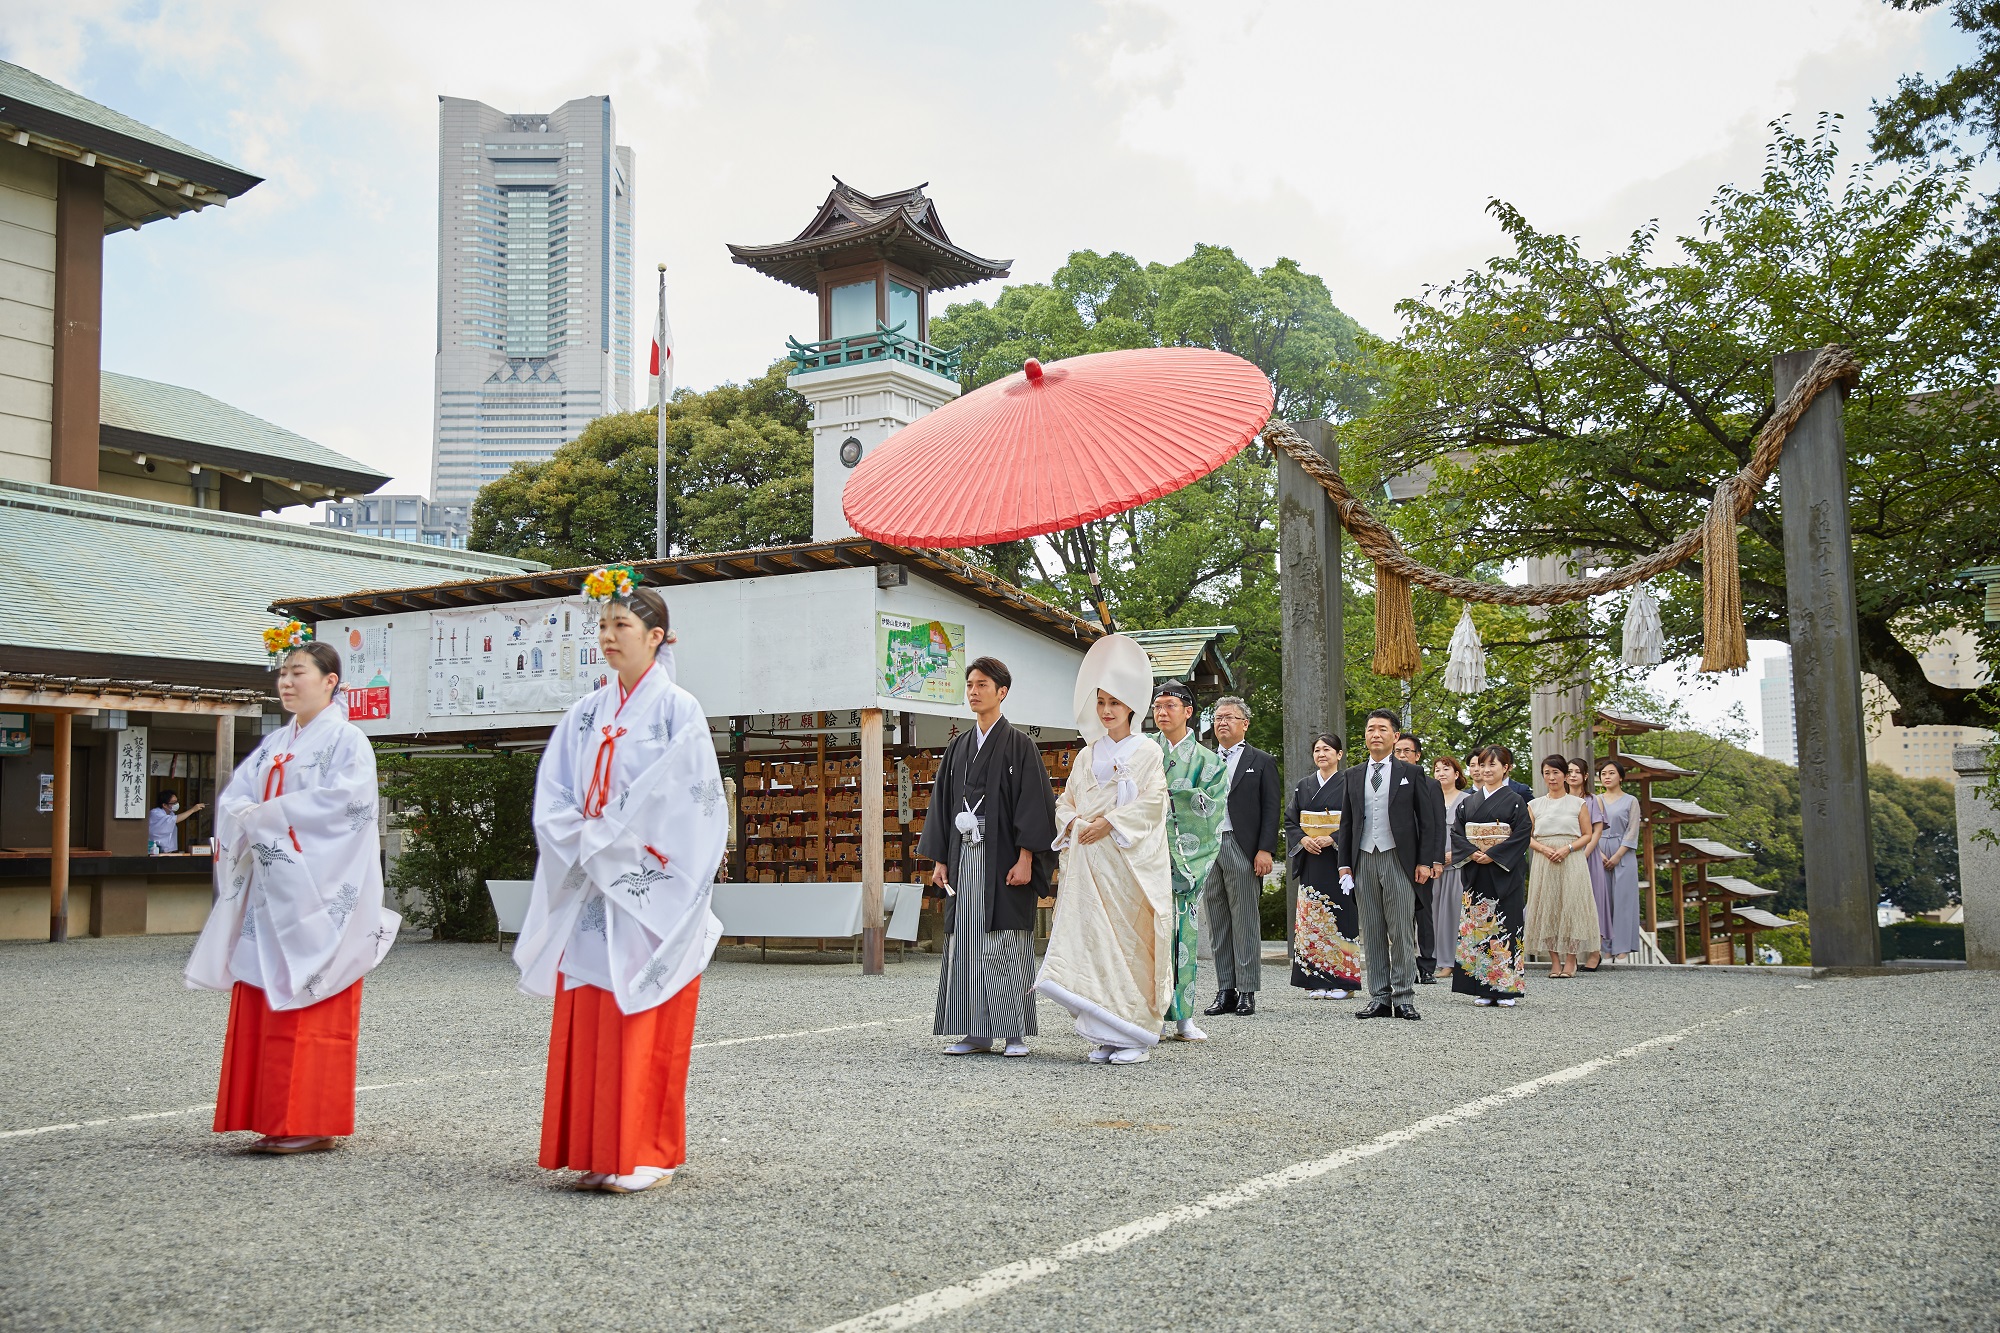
x,y
1152,838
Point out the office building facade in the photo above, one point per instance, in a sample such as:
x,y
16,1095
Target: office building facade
x,y
1952,659
1774,693
403,518
535,297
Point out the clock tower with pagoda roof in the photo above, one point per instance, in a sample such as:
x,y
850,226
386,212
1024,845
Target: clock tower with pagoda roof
x,y
873,261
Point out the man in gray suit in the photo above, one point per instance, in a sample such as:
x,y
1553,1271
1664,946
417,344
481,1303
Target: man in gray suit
x,y
1233,895
1391,839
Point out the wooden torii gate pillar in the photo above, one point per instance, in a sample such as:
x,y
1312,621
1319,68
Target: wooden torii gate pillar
x,y
1826,679
1314,679
1826,657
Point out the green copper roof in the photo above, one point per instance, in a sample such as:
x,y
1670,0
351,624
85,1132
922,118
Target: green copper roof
x,y
225,436
18,85
1177,652
94,573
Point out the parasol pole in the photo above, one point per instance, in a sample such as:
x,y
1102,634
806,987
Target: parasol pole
x,y
1096,583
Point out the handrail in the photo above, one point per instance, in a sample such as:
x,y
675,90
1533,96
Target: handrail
x,y
884,344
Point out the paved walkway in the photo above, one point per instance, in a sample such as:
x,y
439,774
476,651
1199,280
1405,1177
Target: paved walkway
x,y
1644,1150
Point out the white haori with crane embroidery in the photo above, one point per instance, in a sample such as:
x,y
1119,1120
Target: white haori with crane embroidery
x,y
298,869
631,824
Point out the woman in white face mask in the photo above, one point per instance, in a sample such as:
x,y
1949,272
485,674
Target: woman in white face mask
x,y
1110,957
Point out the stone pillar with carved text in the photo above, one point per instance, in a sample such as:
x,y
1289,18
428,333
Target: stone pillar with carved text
x,y
1826,680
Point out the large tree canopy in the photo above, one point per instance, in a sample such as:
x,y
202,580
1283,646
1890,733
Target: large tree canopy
x,y
740,461
1206,554
1955,118
1571,403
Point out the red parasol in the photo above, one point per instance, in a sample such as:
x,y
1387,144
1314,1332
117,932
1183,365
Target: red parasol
x,y
1058,446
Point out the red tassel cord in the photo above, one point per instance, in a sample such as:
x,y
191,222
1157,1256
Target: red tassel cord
x,y
599,793
276,778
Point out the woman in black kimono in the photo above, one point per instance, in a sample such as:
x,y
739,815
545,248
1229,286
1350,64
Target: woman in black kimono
x,y
1490,964
1326,925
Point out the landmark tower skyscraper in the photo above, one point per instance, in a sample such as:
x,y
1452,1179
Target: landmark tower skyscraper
x,y
535,304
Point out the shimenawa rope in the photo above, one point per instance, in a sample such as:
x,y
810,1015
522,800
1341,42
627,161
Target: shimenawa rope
x,y
1724,648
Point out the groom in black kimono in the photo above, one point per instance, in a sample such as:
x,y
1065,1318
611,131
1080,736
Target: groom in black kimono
x,y
991,824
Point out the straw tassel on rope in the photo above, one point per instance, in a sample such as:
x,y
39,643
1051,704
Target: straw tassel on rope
x,y
1395,625
1723,645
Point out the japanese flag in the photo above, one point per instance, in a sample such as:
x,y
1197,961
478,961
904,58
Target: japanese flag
x,y
663,352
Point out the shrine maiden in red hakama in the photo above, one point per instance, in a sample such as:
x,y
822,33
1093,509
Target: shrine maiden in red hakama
x,y
631,823
298,918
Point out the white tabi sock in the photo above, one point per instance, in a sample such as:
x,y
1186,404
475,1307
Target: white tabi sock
x,y
642,1178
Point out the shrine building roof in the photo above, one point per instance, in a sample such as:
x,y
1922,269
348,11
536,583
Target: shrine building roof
x,y
853,228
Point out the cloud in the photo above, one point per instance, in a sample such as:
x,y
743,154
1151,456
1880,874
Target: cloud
x,y
1363,141
1396,124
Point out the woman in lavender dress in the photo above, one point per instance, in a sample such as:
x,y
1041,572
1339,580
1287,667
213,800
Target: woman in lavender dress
x,y
1447,891
1616,859
1600,878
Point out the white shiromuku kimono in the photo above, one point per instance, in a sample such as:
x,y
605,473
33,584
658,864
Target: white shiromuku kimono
x,y
631,823
1110,957
298,869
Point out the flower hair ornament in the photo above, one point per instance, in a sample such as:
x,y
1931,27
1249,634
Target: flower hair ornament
x,y
281,639
612,583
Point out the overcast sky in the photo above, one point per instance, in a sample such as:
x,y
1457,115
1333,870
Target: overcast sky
x,y
1362,140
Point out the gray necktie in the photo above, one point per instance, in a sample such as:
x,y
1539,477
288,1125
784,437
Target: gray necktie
x,y
1376,780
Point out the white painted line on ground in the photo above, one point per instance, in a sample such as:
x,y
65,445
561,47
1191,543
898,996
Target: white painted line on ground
x,y
446,1078
993,1281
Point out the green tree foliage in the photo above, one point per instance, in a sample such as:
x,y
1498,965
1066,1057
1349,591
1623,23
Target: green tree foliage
x,y
1208,553
1913,822
741,461
1281,319
465,821
1573,403
1955,119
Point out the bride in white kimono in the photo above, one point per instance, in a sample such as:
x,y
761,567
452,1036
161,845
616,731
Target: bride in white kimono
x,y
298,916
631,823
1110,956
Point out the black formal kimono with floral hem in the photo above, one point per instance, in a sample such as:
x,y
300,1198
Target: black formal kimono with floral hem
x,y
1489,962
1326,922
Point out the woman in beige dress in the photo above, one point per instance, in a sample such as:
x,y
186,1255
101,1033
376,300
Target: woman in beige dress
x,y
1562,912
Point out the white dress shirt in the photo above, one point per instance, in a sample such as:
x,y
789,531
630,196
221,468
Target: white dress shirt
x,y
1230,758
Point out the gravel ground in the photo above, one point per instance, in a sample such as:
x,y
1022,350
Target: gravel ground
x,y
1824,1158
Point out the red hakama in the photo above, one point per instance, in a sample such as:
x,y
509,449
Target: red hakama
x,y
289,1072
616,1096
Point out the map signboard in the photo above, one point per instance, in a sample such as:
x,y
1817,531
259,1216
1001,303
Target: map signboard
x,y
920,659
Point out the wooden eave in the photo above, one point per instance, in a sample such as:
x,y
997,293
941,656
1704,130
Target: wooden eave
x,y
1702,851
1681,812
166,448
37,693
938,567
144,182
1624,724
1740,888
942,265
1646,768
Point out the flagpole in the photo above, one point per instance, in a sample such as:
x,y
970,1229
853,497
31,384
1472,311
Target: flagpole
x,y
660,380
